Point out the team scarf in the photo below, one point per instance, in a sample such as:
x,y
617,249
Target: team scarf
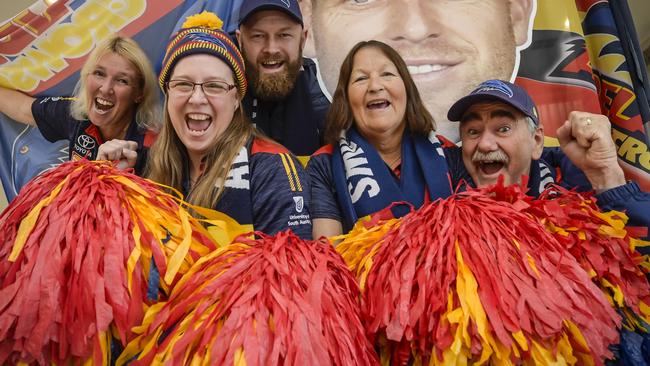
x,y
236,199
365,184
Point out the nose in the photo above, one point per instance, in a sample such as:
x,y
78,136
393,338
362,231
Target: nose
x,y
271,45
375,84
487,142
106,85
197,96
414,20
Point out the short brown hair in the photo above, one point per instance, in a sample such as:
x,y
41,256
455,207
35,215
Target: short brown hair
x,y
339,116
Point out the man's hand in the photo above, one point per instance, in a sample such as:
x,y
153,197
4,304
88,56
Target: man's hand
x,y
586,139
125,152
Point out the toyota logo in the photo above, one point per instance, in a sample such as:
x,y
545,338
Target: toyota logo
x,y
85,141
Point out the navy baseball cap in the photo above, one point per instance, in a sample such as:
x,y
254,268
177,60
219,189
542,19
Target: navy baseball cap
x,y
291,7
496,90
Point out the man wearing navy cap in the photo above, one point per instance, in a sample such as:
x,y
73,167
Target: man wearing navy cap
x,y
502,135
284,99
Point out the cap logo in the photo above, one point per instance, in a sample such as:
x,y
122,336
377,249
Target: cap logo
x,y
286,3
494,85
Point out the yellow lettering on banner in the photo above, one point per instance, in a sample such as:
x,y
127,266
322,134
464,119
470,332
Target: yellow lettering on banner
x,y
618,137
632,150
44,64
17,74
90,23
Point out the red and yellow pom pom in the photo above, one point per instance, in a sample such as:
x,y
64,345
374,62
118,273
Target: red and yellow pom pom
x,y
471,279
205,19
598,240
273,301
83,248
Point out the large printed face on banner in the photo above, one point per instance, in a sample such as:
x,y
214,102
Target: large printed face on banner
x,y
449,46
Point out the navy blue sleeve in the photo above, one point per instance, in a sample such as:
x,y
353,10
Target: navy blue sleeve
x,y
320,103
458,173
570,176
628,198
52,116
323,195
280,194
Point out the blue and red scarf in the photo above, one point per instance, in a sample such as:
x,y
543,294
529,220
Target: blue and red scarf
x,y
365,184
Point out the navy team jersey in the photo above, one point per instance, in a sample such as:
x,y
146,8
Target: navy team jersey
x,y
279,190
266,187
52,116
324,204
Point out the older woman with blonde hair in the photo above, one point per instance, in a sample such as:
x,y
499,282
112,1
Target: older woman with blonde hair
x,y
115,98
208,149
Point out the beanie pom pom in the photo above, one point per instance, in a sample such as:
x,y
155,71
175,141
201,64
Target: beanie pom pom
x,y
205,19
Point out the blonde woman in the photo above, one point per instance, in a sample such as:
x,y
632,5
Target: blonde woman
x,y
115,98
208,150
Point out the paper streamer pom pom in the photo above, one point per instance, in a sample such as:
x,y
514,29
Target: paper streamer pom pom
x,y
273,301
205,19
83,248
473,280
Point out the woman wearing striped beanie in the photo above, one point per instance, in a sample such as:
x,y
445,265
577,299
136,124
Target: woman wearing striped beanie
x,y
208,149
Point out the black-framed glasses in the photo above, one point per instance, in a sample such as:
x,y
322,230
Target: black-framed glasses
x,y
212,88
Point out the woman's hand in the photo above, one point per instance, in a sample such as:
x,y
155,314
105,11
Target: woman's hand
x,y
122,151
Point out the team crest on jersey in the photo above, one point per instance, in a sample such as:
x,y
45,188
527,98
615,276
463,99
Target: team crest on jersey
x,y
300,203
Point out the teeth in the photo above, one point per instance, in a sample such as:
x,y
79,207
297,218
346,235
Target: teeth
x,y
103,102
271,63
423,69
198,116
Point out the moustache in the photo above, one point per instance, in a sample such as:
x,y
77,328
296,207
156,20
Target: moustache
x,y
271,58
495,156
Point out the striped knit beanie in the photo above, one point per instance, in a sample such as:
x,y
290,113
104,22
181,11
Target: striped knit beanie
x,y
202,34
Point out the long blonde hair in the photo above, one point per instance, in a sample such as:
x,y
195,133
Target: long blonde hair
x,y
168,158
147,110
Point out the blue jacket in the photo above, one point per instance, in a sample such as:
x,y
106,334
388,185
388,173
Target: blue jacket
x,y
296,122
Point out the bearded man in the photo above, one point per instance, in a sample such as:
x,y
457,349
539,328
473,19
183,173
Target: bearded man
x,y
284,98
